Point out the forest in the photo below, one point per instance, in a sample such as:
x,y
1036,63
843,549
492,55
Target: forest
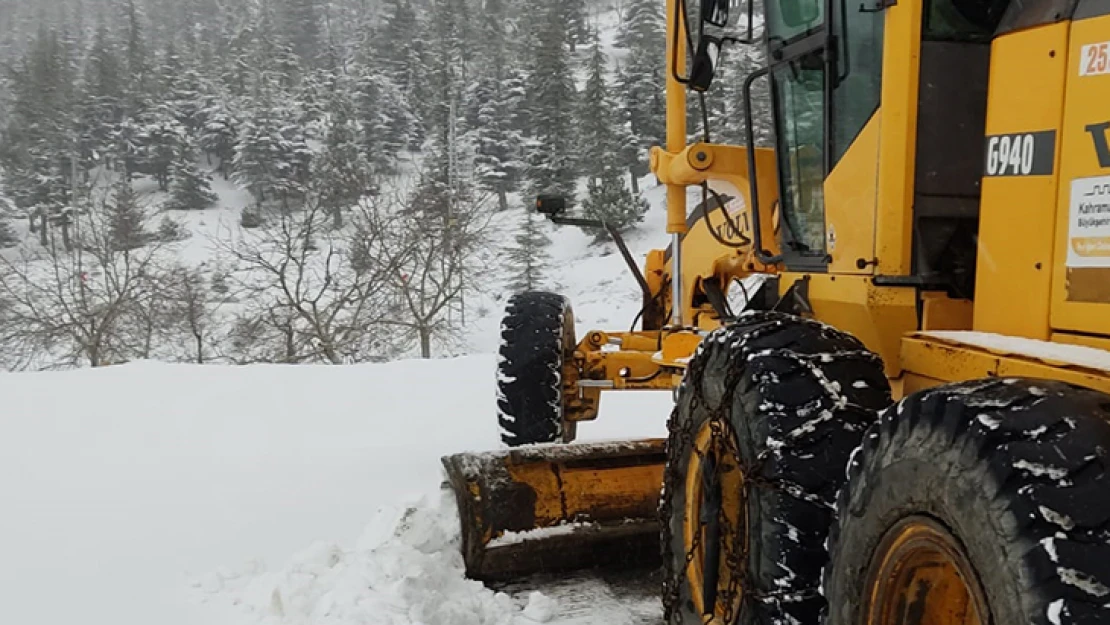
x,y
377,141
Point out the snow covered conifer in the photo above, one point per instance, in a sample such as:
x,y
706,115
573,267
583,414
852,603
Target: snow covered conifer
x,y
643,76
596,119
191,189
604,156
609,199
551,100
342,174
219,133
499,145
496,100
126,219
7,233
528,257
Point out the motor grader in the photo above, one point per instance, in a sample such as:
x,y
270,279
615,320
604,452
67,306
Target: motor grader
x,y
905,419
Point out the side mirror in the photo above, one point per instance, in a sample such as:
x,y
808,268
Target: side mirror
x,y
715,12
551,205
713,33
704,67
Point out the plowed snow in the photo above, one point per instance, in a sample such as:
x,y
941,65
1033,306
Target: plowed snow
x,y
177,494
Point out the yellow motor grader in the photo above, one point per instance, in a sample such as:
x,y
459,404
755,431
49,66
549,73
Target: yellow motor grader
x,y
906,421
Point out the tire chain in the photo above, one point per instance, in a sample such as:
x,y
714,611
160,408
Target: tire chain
x,y
680,436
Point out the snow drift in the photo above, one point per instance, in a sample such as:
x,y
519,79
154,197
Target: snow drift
x,y
176,494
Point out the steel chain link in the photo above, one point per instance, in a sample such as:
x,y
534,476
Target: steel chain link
x,y
681,438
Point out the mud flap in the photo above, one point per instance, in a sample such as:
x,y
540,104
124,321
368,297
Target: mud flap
x,y
551,508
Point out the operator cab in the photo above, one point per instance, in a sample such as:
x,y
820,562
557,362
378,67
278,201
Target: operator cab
x,y
825,68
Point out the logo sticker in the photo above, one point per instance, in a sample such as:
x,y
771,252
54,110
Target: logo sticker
x,y
1089,223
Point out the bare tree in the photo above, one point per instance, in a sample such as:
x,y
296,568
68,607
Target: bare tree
x,y
184,316
312,293
79,307
435,268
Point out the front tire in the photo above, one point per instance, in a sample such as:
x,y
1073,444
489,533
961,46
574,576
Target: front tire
x,y
984,502
767,415
537,340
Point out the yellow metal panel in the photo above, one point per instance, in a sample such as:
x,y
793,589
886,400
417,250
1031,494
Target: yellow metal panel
x,y
912,383
947,361
850,194
941,361
679,347
878,316
1096,342
726,170
898,143
938,312
676,114
1081,273
1017,216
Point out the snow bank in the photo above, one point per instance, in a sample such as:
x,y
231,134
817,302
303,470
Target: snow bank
x,y
122,488
406,569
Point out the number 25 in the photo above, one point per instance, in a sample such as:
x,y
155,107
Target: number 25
x,y
1098,57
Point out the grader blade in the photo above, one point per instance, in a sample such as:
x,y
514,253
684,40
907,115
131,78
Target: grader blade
x,y
553,508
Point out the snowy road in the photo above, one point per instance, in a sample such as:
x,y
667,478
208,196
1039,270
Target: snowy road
x,y
609,598
184,495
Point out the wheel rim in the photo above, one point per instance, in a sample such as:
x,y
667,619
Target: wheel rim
x,y
713,463
921,575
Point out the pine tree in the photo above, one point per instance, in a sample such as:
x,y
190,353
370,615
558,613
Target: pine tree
x,y
300,25
343,175
578,27
157,138
630,154
445,70
184,89
596,120
398,49
395,44
219,133
388,124
38,142
499,146
8,237
101,107
191,188
126,219
609,199
642,80
136,56
528,258
272,155
603,161
550,100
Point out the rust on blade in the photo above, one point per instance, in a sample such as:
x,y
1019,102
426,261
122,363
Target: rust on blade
x,y
558,507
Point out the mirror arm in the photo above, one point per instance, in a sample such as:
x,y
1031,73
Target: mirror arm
x,y
749,131
680,19
615,234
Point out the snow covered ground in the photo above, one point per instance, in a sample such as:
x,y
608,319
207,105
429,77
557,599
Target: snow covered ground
x,y
177,494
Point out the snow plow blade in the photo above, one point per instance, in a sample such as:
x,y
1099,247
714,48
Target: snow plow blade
x,y
553,508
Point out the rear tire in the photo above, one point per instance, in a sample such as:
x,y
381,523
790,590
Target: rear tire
x,y
537,339
1014,472
795,397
